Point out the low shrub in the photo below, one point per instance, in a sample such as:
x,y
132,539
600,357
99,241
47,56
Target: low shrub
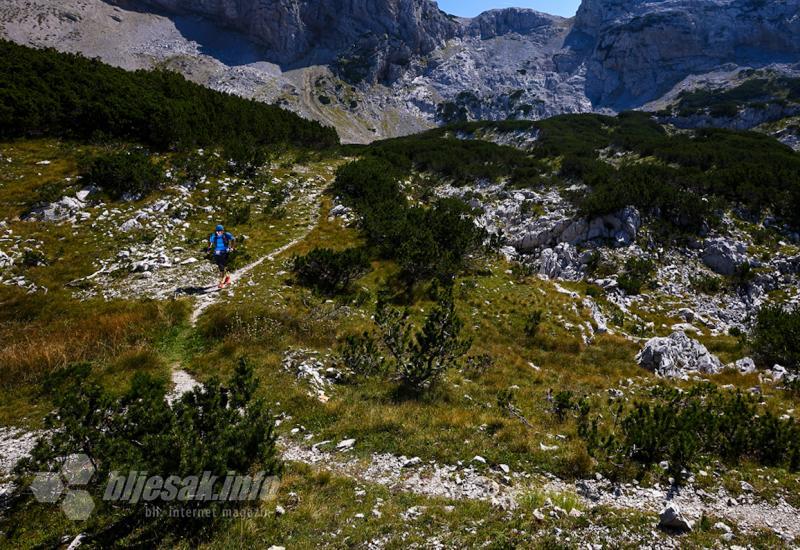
x,y
215,428
563,403
682,426
360,354
415,357
427,242
238,215
707,284
328,271
128,172
775,338
742,276
532,323
636,275
477,365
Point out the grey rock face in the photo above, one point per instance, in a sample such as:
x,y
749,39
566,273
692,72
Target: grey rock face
x,y
746,365
393,67
495,23
724,256
621,228
561,262
641,48
677,355
295,29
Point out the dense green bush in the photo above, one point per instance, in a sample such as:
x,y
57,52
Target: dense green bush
x,y
361,355
128,172
48,93
637,274
214,428
775,338
420,357
727,102
533,322
681,427
679,177
462,161
707,284
426,242
328,271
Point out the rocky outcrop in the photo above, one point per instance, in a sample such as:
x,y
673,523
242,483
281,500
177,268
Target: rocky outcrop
x,y
724,256
60,210
619,228
410,66
640,49
495,23
561,262
676,356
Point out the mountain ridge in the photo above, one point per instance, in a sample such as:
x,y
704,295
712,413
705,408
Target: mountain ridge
x,y
395,67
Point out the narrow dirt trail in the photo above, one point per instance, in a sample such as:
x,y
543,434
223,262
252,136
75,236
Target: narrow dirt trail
x,y
210,297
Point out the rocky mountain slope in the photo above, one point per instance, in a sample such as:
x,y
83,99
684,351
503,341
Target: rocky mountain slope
x,y
388,68
643,48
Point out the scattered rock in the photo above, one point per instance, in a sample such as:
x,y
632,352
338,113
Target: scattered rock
x,y
671,519
745,365
63,209
306,366
345,445
676,356
6,261
719,526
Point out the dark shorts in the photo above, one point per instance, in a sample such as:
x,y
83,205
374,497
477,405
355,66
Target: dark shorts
x,y
222,261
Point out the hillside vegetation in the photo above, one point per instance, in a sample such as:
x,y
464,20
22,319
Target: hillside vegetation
x,y
629,159
48,93
491,335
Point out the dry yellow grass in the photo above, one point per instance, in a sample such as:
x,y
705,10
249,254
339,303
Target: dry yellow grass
x,y
37,347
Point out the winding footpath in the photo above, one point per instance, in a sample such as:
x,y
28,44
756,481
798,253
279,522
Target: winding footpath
x,y
211,296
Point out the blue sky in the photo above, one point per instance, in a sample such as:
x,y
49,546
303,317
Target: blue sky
x,y
470,8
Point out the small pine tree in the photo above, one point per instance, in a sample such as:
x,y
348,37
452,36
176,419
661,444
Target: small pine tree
x,y
421,357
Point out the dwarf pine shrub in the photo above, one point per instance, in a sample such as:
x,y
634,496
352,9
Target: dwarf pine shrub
x,y
636,275
126,172
328,271
415,357
775,338
680,427
215,428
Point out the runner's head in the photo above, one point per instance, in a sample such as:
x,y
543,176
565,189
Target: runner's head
x,y
220,229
